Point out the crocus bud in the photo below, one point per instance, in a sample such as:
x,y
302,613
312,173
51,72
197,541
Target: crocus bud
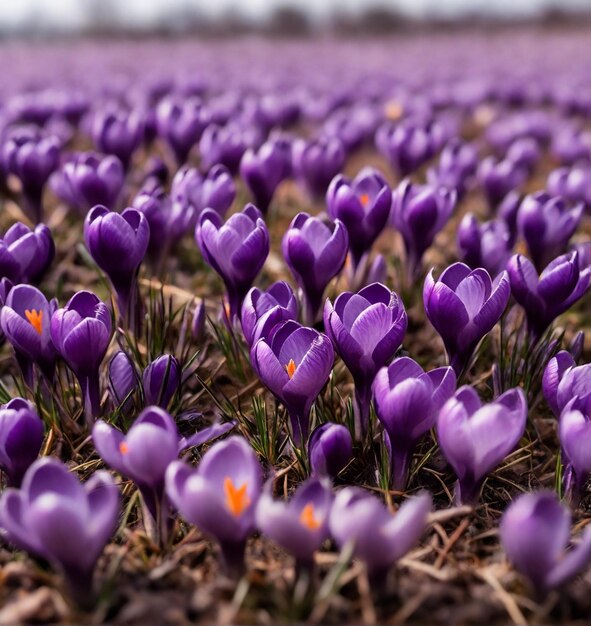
x,y
546,224
220,496
263,310
577,345
574,432
379,539
263,170
544,298
316,162
118,132
123,379
21,438
223,145
26,320
464,305
407,402
485,245
363,206
26,254
161,380
315,250
475,438
330,449
457,165
535,531
236,250
198,321
81,333
366,329
572,183
68,524
507,211
88,179
294,363
143,455
300,525
419,212
498,178
378,272
118,244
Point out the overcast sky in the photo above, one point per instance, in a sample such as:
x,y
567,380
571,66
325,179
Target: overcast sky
x,y
74,14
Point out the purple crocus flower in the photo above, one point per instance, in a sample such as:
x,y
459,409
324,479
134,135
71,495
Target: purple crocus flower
x,y
263,310
463,305
88,179
123,379
419,212
379,539
26,320
363,206
118,244
315,250
457,165
475,438
407,402
143,455
21,438
524,152
574,432
577,382
224,145
535,531
498,178
294,363
366,329
546,223
220,496
485,245
119,132
161,380
55,517
263,170
236,250
316,162
26,254
572,183
556,289
300,525
81,333
330,449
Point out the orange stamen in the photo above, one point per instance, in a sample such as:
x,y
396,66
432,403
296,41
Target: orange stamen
x,y
123,447
236,498
35,318
307,517
364,199
291,368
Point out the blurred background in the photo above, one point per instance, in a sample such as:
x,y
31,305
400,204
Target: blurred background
x,y
45,18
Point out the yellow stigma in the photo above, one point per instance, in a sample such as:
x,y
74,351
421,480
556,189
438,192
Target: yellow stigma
x,y
291,368
35,319
307,517
364,199
236,498
123,447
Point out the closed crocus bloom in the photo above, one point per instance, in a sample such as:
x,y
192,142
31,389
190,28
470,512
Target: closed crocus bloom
x,y
486,245
26,254
535,532
419,212
563,282
524,152
547,223
224,145
553,375
119,132
236,249
315,250
572,183
330,449
181,122
123,379
118,244
366,329
264,169
55,517
475,438
294,363
143,455
363,206
220,496
407,401
457,165
26,321
316,162
21,437
161,380
300,525
198,321
498,178
507,212
379,538
263,310
88,179
464,305
81,333
574,432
